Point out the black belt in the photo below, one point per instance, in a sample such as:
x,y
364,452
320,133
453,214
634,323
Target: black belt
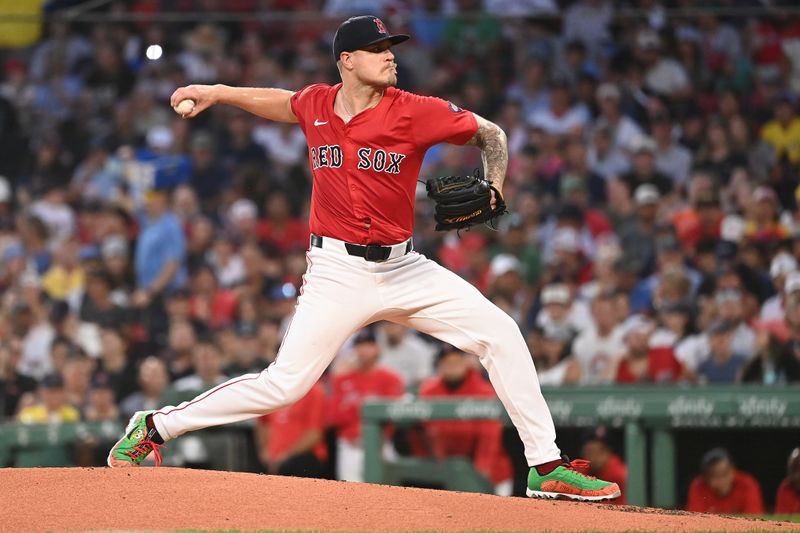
x,y
370,252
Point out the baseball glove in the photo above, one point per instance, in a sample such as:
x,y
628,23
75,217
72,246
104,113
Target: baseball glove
x,y
463,201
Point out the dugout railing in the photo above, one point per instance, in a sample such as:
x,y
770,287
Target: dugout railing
x,y
643,414
636,410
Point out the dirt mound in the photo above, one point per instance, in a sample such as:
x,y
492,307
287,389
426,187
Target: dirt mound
x,y
70,499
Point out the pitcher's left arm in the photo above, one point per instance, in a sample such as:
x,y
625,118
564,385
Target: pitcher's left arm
x,y
492,141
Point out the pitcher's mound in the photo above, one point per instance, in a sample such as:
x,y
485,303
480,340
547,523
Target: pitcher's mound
x,y
142,499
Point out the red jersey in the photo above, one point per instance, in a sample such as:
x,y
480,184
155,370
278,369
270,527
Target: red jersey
x,y
293,234
287,425
222,308
480,440
597,222
615,471
365,172
690,229
744,497
352,388
787,501
662,367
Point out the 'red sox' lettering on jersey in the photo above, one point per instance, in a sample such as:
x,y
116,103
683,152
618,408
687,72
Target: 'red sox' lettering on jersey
x,y
381,161
325,156
365,171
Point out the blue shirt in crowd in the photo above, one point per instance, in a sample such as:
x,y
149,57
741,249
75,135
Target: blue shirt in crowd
x,y
160,241
716,372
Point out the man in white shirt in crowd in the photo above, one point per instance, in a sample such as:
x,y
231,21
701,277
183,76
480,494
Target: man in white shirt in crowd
x,y
663,75
605,157
624,129
672,159
560,309
207,360
782,269
597,348
730,308
403,351
561,117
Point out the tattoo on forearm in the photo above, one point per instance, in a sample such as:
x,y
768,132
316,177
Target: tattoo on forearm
x,y
491,139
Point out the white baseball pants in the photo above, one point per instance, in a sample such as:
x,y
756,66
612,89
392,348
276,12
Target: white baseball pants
x,y
342,293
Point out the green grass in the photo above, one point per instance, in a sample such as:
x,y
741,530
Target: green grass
x,y
784,517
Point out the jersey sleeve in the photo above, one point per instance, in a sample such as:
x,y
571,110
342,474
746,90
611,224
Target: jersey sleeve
x,y
694,501
303,100
435,121
753,501
394,386
314,411
787,500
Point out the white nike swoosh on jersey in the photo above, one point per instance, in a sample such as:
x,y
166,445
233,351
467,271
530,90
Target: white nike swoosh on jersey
x,y
317,122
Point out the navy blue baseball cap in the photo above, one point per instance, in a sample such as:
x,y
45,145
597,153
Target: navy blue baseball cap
x,y
360,32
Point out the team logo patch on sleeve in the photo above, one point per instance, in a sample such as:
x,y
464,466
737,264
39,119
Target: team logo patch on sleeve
x,y
454,108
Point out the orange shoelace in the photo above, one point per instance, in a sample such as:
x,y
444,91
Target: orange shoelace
x,y
580,466
145,447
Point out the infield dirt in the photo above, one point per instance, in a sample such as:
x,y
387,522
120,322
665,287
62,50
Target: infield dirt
x,y
150,499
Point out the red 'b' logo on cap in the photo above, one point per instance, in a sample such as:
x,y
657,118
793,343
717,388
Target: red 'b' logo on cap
x,y
381,27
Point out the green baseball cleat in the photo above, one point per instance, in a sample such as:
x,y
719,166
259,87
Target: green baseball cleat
x,y
136,444
570,481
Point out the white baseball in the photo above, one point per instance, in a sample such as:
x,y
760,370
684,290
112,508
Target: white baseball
x,y
184,107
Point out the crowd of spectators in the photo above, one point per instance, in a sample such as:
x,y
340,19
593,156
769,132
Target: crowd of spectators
x,y
654,234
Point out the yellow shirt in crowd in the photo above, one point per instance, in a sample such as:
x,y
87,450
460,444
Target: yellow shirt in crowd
x,y
38,414
59,283
783,140
21,24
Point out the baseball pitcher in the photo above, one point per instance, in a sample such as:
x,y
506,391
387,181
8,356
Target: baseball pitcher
x,y
366,142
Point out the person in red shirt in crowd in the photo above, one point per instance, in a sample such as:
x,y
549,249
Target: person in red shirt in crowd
x,y
762,223
366,380
603,462
210,304
702,221
280,230
479,440
787,501
722,488
644,363
468,257
290,441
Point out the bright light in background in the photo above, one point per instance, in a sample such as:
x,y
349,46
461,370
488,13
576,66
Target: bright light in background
x,y
153,52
